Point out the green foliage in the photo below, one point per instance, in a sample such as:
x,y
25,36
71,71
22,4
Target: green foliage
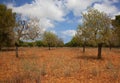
x,y
74,42
60,42
98,26
83,35
26,44
50,39
68,44
39,43
7,23
95,29
116,25
30,44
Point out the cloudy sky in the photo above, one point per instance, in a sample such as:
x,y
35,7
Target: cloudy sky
x,y
61,16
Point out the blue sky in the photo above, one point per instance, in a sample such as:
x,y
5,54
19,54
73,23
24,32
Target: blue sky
x,y
61,16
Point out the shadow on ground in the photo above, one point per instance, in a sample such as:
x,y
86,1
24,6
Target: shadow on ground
x,y
88,57
7,49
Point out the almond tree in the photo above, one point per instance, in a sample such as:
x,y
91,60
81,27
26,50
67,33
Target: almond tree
x,y
26,30
99,24
34,30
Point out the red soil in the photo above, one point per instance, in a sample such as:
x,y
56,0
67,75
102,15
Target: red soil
x,y
60,65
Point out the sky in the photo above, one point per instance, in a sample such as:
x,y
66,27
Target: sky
x,y
61,16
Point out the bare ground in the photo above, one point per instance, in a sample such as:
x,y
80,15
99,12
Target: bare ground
x,y
60,65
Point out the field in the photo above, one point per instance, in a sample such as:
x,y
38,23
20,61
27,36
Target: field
x,y
60,65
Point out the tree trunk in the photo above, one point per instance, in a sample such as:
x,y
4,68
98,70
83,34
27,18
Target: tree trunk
x,y
16,45
84,47
110,46
16,51
49,46
0,48
99,50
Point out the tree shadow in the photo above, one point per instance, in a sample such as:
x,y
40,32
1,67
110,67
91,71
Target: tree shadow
x,y
31,57
88,57
7,49
116,51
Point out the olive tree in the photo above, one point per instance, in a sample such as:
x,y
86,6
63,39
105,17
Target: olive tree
x,y
99,25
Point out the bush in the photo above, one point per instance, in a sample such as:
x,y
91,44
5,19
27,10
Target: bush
x,y
39,43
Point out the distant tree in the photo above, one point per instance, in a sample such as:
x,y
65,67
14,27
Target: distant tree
x,y
7,23
59,42
68,44
112,39
76,41
98,24
50,39
39,43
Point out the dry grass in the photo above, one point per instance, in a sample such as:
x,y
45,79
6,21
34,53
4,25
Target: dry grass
x,y
60,65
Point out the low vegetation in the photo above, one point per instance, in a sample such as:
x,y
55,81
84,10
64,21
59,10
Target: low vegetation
x,y
39,65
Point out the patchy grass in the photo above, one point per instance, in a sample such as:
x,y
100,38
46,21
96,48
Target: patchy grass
x,y
60,65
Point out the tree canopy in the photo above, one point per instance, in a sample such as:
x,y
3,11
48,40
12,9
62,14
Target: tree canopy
x,y
116,25
7,23
51,40
96,28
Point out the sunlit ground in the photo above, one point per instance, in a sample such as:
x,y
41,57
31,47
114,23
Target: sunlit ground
x,y
60,65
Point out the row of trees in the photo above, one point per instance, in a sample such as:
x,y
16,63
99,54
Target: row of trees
x,y
48,39
97,30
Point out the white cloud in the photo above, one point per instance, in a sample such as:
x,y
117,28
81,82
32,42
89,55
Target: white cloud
x,y
41,8
107,8
110,1
53,31
46,23
46,10
69,32
77,6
